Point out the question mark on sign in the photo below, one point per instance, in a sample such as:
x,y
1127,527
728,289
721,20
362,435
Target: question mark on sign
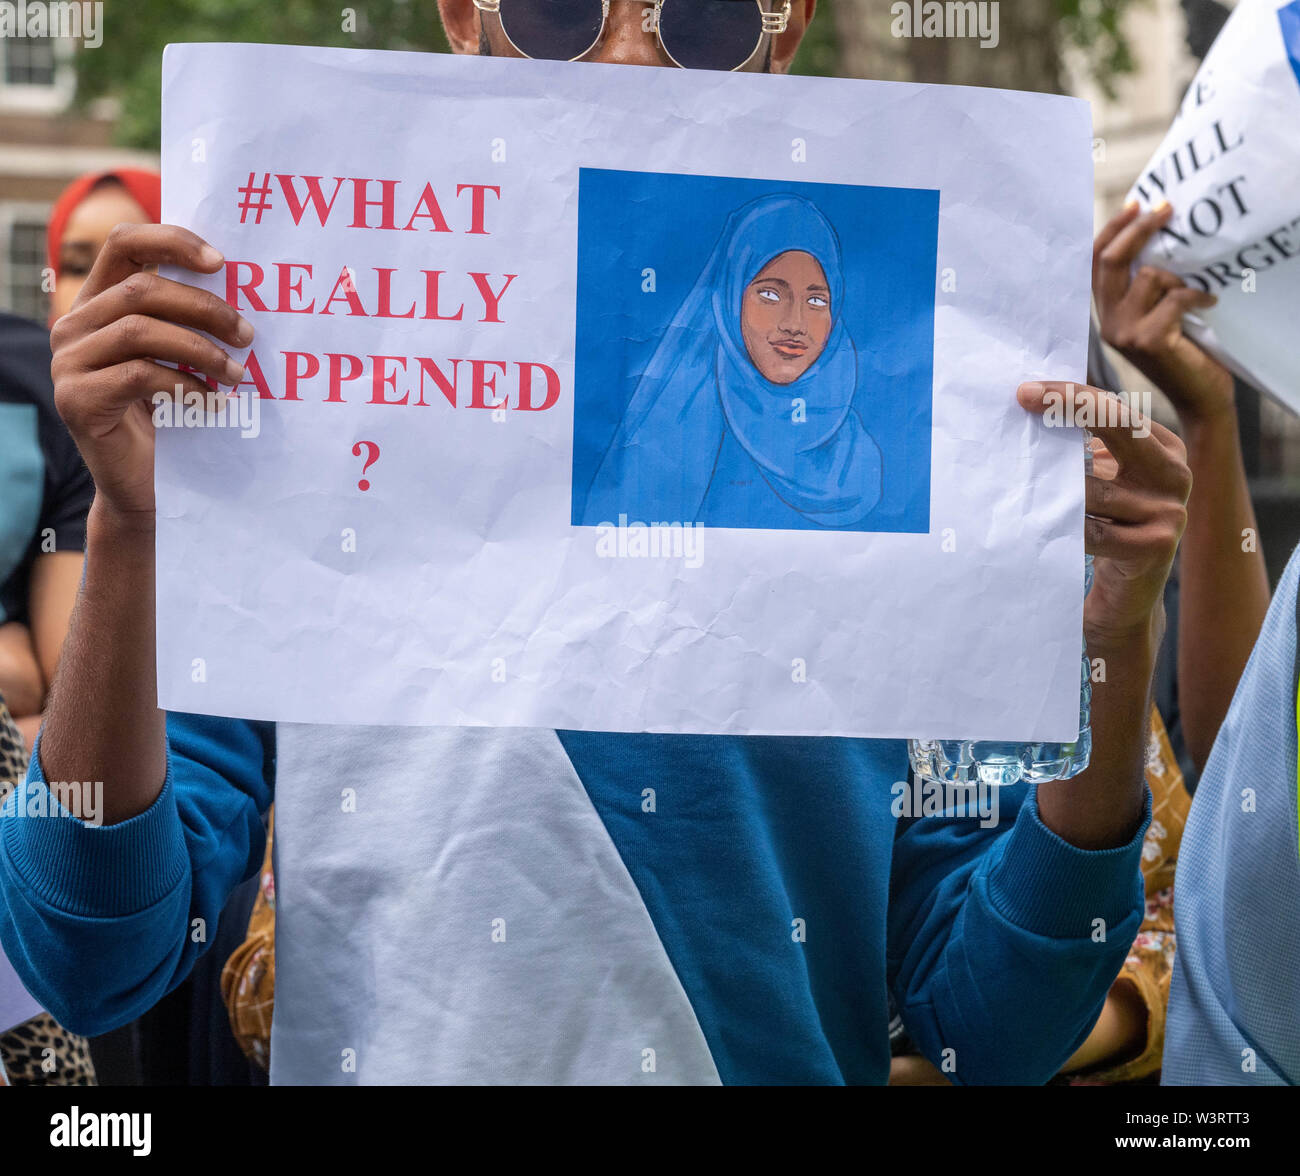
x,y
373,449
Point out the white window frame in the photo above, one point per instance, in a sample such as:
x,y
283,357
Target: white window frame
x,y
13,212
32,99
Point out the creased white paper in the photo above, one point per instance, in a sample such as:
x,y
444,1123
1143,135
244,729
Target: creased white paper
x,y
455,588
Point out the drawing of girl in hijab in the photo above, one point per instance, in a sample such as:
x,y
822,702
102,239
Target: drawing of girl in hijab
x,y
744,415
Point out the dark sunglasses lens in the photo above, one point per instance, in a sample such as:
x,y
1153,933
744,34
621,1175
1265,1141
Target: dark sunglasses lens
x,y
558,30
710,34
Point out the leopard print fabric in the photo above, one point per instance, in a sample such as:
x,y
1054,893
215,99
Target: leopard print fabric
x,y
39,1052
13,753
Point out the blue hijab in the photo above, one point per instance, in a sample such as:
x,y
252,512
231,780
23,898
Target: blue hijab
x,y
701,384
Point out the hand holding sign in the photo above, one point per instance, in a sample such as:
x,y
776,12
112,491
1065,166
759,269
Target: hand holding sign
x,y
106,350
1136,504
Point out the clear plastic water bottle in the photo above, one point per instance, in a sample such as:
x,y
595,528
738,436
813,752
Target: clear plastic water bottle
x,y
967,761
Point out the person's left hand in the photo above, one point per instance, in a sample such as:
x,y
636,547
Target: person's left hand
x,y
1141,315
1136,509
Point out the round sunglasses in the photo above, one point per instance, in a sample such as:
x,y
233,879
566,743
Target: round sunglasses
x,y
694,34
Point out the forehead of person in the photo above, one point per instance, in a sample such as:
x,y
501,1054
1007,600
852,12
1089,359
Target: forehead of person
x,y
88,225
629,37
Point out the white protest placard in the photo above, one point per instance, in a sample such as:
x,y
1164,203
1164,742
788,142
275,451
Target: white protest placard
x,y
1230,166
626,399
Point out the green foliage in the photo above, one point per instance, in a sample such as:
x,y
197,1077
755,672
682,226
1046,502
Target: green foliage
x,y
128,65
1094,28
820,51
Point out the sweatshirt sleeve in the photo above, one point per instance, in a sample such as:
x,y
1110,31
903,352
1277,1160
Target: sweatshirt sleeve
x,y
102,921
1004,942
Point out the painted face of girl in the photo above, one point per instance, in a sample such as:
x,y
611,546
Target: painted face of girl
x,y
785,316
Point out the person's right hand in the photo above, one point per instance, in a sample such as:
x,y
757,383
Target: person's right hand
x,y
107,346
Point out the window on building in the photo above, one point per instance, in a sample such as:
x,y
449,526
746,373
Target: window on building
x,y
29,61
26,266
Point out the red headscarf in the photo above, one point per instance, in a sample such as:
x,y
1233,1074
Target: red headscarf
x,y
145,188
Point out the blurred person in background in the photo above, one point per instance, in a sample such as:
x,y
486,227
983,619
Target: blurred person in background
x,y
47,490
82,218
185,1038
45,496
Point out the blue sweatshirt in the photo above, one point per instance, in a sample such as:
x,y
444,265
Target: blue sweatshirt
x,y
511,906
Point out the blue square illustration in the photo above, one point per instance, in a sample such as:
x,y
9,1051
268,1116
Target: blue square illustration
x,y
753,353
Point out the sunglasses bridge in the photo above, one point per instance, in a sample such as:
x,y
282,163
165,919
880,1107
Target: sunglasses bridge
x,y
774,23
